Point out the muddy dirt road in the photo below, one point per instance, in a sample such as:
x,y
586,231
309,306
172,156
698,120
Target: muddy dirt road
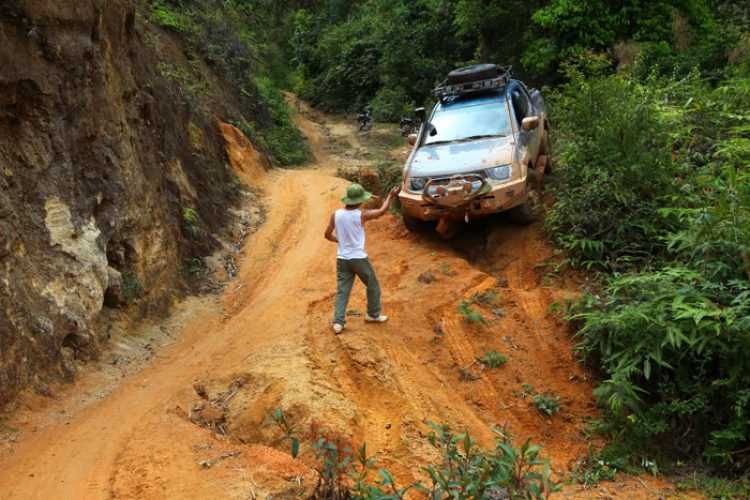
x,y
271,332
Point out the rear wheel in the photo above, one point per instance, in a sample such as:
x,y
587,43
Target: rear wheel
x,y
472,74
412,223
531,209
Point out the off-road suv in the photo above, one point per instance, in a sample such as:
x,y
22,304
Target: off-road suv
x,y
484,149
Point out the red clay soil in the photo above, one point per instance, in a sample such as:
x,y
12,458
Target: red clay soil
x,y
374,383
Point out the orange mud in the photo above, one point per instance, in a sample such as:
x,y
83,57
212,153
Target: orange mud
x,y
272,331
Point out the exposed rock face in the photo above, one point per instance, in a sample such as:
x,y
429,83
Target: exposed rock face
x,y
97,168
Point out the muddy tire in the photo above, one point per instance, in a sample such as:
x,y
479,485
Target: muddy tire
x,y
531,209
546,149
472,74
413,224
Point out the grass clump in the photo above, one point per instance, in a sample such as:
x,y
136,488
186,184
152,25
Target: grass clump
x,y
470,316
492,359
547,404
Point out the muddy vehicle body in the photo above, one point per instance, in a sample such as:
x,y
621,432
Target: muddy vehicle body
x,y
484,149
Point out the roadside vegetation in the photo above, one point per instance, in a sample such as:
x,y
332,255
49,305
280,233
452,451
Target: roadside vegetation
x,y
467,470
237,38
652,195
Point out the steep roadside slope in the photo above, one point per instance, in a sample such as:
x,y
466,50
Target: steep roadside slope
x,y
113,179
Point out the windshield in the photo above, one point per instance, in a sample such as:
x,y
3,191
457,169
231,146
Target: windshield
x,y
465,122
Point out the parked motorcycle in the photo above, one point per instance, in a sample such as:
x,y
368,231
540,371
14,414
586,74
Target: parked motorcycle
x,y
408,126
364,122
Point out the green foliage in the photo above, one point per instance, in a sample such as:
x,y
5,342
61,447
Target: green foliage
x,y
230,38
716,487
284,140
467,471
391,104
185,82
337,466
547,404
190,218
614,173
503,472
575,26
492,359
669,326
488,298
281,420
166,16
470,316
131,286
602,466
384,53
525,393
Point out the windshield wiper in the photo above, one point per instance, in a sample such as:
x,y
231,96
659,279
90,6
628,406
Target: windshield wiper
x,y
464,139
471,138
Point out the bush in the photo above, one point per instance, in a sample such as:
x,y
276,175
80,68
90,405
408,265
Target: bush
x,y
670,327
220,33
614,169
390,105
467,471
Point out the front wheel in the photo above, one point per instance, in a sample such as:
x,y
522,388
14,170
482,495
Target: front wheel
x,y
531,209
412,223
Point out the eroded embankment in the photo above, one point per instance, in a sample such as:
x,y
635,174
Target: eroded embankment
x,y
113,182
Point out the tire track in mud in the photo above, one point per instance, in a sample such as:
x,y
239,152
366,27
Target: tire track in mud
x,y
349,360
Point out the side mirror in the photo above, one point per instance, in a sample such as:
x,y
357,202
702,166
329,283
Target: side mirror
x,y
420,113
530,123
412,139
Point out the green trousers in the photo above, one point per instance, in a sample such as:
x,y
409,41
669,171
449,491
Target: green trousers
x,y
346,270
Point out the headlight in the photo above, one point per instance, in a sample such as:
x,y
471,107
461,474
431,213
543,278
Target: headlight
x,y
501,173
417,183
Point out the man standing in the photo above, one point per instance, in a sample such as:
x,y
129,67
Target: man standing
x,y
351,258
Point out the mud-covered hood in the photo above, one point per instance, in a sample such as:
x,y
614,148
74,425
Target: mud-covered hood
x,y
460,157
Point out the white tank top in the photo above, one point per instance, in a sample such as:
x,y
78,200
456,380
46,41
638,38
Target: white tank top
x,y
350,233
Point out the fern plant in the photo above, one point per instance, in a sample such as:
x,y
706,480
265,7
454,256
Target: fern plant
x,y
470,316
492,359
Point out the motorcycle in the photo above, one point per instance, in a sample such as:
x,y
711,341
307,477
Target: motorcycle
x,y
364,122
408,127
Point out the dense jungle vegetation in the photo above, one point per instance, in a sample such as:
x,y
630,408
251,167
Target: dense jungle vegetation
x,y
650,102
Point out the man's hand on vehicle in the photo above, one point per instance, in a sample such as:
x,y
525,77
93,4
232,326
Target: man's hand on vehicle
x,y
374,214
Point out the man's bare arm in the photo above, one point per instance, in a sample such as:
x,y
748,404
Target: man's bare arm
x,y
329,230
374,214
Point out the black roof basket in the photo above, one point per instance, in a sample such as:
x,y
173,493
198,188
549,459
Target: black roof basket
x,y
444,91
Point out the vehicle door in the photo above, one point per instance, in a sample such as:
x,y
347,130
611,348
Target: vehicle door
x,y
528,141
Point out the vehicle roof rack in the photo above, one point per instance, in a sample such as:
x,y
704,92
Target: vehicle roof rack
x,y
445,91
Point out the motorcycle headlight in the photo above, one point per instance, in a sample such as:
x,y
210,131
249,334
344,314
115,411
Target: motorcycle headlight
x,y
501,173
417,183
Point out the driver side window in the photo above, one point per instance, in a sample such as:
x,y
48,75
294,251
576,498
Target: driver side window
x,y
520,105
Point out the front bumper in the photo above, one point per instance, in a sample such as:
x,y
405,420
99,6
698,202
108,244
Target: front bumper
x,y
500,197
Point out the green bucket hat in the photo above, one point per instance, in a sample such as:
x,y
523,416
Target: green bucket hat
x,y
355,194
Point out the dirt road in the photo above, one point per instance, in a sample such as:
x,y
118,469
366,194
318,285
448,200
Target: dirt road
x,y
272,332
